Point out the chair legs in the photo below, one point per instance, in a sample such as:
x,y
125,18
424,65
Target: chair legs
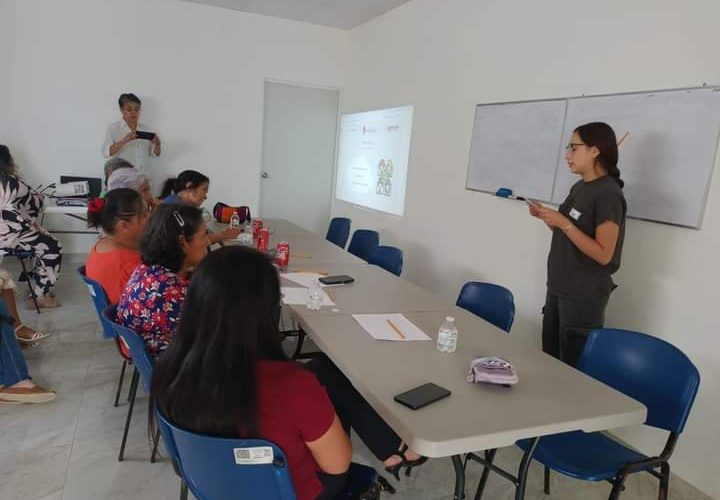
x,y
618,487
120,383
29,284
664,489
133,392
156,441
546,484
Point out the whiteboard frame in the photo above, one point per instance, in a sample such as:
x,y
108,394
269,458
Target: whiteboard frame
x,y
716,158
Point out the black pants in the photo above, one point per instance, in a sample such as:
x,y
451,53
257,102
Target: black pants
x,y
567,324
354,412
333,485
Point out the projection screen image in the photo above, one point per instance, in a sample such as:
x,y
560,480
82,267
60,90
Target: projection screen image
x,y
373,150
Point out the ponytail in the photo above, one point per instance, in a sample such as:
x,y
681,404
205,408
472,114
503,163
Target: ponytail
x,y
118,204
168,187
601,136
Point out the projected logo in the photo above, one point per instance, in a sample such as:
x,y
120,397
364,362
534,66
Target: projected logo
x,y
384,181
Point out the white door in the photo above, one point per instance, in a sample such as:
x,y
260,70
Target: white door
x,y
298,154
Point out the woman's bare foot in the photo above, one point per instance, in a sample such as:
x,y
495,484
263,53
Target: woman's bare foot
x,y
47,302
27,335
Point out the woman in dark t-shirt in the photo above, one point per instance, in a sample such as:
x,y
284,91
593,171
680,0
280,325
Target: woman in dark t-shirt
x,y
588,232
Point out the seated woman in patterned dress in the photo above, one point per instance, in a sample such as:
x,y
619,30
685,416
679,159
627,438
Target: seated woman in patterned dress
x,y
20,230
173,243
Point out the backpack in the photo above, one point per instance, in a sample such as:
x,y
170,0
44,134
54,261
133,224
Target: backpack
x,y
222,212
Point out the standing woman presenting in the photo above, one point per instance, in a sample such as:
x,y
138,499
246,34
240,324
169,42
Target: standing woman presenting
x,y
129,139
588,232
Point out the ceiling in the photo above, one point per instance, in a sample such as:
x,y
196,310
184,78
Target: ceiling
x,y
344,14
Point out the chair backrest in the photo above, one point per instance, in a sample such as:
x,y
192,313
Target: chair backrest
x,y
389,258
138,349
216,468
100,301
338,231
647,369
493,303
363,240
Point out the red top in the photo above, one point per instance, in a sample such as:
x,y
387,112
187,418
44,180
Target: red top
x,y
294,409
112,269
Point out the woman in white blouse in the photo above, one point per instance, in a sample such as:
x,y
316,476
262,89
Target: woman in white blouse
x,y
128,138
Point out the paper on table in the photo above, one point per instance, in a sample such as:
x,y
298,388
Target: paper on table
x,y
304,279
379,328
298,296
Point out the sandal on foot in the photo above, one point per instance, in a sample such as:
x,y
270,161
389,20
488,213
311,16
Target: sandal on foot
x,y
36,336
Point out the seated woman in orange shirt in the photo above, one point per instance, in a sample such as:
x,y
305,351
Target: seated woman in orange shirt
x,y
121,215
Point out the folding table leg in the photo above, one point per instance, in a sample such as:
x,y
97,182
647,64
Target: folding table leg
x,y
459,477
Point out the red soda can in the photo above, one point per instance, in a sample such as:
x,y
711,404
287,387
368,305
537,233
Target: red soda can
x,y
283,254
263,239
257,225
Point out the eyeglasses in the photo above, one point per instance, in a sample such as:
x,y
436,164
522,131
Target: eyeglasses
x,y
572,145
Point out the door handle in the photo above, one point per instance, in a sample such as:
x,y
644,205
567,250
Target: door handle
x,y
265,175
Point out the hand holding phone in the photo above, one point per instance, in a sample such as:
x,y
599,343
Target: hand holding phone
x,y
149,136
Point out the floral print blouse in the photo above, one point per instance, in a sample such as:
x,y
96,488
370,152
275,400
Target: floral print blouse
x,y
151,305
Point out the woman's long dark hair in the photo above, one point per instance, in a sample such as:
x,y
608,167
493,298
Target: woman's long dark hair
x,y
602,136
188,179
206,380
7,164
119,204
160,241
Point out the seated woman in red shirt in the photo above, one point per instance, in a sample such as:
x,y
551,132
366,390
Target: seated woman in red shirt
x,y
121,215
173,243
228,340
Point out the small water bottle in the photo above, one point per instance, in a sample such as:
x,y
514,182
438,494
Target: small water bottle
x,y
235,220
447,335
314,296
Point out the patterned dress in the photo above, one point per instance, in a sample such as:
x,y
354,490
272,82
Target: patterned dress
x,y
151,305
20,208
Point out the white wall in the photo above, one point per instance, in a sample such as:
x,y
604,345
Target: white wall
x,y
200,71
445,57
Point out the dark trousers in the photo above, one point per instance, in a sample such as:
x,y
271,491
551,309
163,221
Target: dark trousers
x,y
333,485
354,412
567,322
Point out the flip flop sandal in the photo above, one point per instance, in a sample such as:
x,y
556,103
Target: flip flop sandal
x,y
37,335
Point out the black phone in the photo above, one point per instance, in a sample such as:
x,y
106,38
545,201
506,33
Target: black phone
x,y
336,280
145,135
422,395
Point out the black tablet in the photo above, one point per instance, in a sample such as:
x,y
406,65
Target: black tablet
x,y
422,395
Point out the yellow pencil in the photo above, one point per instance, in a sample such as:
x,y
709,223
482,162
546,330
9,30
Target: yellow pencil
x,y
302,256
397,330
623,138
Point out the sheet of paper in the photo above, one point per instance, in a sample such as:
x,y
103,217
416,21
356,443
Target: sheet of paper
x,y
379,327
304,279
298,296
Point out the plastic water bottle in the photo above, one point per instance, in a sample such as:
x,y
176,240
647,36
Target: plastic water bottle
x,y
235,220
447,335
314,295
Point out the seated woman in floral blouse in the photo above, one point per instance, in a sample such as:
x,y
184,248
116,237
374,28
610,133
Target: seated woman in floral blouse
x,y
173,243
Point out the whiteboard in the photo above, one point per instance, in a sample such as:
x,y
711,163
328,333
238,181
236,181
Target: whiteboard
x,y
516,146
666,161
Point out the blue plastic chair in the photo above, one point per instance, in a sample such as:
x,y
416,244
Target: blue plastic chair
x,y
22,256
647,369
209,469
101,301
144,365
339,231
389,258
363,240
493,303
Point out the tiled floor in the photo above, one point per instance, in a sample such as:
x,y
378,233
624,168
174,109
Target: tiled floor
x,y
68,449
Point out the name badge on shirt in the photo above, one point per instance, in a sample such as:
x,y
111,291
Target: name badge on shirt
x,y
575,214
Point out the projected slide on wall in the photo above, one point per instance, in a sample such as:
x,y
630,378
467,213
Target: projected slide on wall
x,y
373,149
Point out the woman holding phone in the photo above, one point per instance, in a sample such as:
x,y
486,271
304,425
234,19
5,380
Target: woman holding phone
x,y
128,138
588,232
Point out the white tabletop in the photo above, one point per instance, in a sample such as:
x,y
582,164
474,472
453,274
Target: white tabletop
x,y
550,398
